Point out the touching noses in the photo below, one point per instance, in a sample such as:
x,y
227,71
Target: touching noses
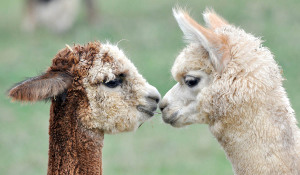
x,y
163,104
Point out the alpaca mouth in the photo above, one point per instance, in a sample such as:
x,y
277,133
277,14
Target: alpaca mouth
x,y
143,109
172,119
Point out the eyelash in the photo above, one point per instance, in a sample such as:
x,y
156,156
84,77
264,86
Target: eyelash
x,y
116,82
192,82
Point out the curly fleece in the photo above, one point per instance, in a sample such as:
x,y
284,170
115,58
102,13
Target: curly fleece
x,y
82,107
247,107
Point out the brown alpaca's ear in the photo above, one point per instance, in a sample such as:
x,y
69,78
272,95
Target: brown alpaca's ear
x,y
216,45
213,20
41,87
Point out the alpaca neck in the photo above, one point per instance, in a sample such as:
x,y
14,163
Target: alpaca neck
x,y
257,145
72,148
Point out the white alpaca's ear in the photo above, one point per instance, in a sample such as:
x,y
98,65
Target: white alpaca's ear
x,y
195,33
213,20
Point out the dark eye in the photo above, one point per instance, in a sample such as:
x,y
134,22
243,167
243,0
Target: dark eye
x,y
114,83
191,81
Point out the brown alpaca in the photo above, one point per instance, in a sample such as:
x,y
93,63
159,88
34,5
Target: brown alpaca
x,y
229,81
94,89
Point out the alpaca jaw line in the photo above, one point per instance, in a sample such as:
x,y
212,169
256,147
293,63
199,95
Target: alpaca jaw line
x,y
172,119
143,109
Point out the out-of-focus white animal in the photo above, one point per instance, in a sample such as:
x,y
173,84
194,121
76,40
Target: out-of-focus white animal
x,y
57,15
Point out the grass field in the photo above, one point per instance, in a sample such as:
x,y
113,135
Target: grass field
x,y
153,40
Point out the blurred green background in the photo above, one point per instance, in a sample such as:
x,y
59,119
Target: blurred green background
x,y
153,40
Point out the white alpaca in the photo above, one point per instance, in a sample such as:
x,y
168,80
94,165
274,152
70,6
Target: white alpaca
x,y
228,80
94,89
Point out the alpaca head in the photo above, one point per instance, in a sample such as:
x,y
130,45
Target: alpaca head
x,y
215,70
114,97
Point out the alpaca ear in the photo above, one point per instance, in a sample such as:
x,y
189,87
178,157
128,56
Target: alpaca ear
x,y
213,20
41,87
193,32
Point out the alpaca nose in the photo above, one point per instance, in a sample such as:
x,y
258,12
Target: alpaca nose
x,y
163,105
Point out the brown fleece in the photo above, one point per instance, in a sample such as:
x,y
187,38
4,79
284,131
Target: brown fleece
x,y
59,76
73,149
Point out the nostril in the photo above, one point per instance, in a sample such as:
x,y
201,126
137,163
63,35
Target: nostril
x,y
162,106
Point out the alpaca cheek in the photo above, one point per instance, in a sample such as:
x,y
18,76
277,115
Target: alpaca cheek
x,y
112,113
127,122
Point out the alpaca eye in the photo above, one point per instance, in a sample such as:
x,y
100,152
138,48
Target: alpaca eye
x,y
191,81
114,83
